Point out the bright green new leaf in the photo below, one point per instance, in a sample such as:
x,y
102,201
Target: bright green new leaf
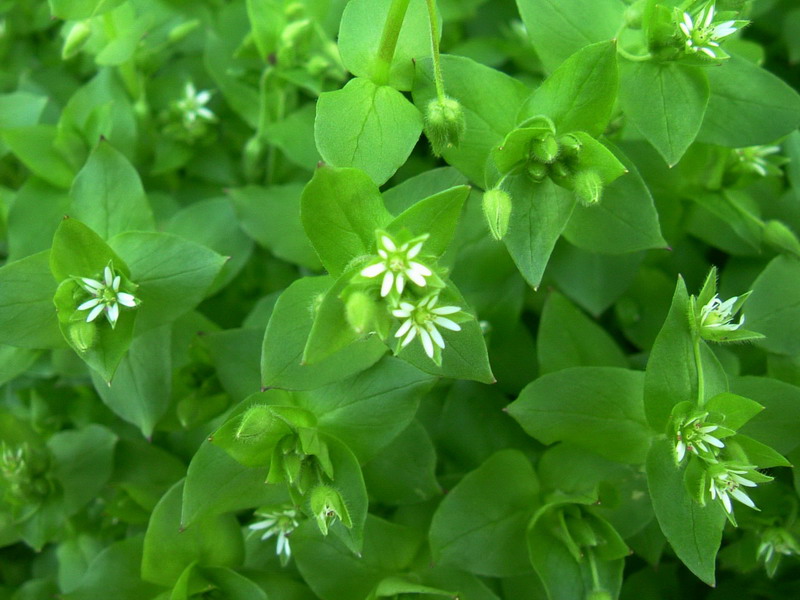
x,y
774,308
580,94
370,127
340,210
665,102
79,252
597,408
480,524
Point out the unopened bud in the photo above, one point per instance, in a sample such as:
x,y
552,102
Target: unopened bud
x,y
497,210
570,145
538,171
634,13
327,505
545,149
444,124
76,38
252,158
560,171
361,312
82,335
260,424
179,32
588,187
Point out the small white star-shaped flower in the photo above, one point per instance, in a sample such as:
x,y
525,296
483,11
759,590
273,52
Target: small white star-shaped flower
x,y
280,523
397,264
701,33
193,105
719,315
727,483
106,296
422,320
695,436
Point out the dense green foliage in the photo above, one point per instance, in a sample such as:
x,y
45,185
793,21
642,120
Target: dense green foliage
x,y
350,300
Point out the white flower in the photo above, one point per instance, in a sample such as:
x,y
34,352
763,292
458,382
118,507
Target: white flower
x,y
726,483
398,264
422,320
193,106
718,315
753,158
693,435
702,35
106,296
280,523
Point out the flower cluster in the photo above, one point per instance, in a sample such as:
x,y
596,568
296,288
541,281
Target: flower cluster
x,y
702,34
398,264
694,435
106,296
280,522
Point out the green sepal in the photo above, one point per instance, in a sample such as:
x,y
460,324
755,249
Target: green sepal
x,y
516,147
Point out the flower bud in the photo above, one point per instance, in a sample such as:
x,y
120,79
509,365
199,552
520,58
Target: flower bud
x,y
82,335
545,149
570,145
76,39
361,312
259,424
444,124
538,171
497,210
588,187
252,158
327,505
633,14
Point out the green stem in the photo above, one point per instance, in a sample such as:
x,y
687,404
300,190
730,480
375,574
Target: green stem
x,y
624,53
437,65
593,568
391,31
701,385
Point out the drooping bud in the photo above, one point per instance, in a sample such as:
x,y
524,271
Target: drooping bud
x,y
361,312
82,334
588,187
76,39
545,149
327,505
444,124
497,210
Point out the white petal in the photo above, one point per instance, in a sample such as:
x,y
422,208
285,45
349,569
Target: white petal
x,y
447,324
112,311
403,328
411,335
126,299
709,16
115,284
713,441
399,282
420,268
416,277
388,243
262,524
386,286
205,113
708,51
687,21
427,344
685,30
92,284
743,481
435,335
95,311
108,276
446,310
373,270
726,501
401,314
414,250
680,450
203,97
89,304
713,489
742,497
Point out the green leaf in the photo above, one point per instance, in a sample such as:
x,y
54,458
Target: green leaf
x,y
235,354
625,220
597,408
367,411
666,102
756,453
20,109
693,531
539,215
168,550
392,586
559,28
490,100
370,127
271,216
736,410
779,423
233,585
595,156
774,307
267,22
218,484
79,252
140,391
580,94
480,524
671,375
82,463
34,217
340,210
173,274
436,215
285,339
567,338
748,106
38,147
27,316
360,34
74,10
